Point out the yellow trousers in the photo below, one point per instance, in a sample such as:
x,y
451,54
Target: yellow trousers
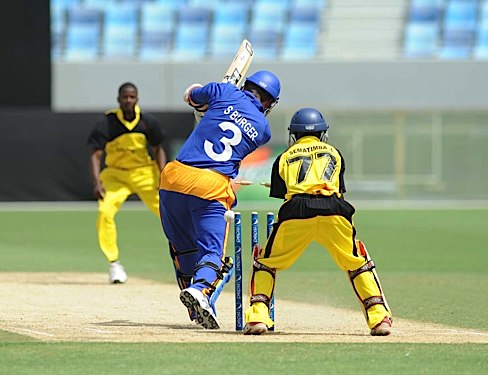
x,y
119,185
292,237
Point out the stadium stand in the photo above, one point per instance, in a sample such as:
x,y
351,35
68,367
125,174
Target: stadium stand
x,y
192,31
83,33
157,25
421,40
230,22
279,29
120,30
481,47
300,42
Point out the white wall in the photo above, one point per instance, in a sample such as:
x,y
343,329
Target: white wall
x,y
329,85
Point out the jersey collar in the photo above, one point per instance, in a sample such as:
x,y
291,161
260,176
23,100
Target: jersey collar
x,y
128,124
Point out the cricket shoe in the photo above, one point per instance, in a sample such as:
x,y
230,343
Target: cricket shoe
x,y
194,299
117,273
254,328
383,328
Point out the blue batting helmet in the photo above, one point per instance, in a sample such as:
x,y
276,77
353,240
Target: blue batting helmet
x,y
267,81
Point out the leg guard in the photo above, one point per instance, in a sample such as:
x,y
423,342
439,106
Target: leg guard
x,y
183,280
262,288
367,287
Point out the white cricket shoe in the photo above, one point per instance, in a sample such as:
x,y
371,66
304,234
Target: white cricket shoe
x,y
117,273
194,299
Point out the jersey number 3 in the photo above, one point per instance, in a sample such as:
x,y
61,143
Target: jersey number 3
x,y
226,153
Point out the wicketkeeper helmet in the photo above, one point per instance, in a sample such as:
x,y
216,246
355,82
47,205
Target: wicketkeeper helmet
x,y
307,121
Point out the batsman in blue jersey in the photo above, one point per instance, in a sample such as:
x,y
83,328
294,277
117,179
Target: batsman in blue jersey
x,y
195,189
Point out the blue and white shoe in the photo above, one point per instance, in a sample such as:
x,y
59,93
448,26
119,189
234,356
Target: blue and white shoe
x,y
227,273
194,299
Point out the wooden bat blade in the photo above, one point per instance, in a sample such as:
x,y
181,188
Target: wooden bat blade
x,y
239,66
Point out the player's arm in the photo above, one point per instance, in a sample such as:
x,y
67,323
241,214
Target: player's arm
x,y
277,185
95,167
160,157
155,138
342,184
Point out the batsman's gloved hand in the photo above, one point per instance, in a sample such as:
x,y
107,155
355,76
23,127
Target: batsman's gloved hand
x,y
200,109
188,90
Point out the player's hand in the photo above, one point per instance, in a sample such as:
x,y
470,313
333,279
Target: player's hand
x,y
99,190
188,90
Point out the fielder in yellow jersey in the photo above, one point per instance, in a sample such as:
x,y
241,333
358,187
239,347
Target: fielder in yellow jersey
x,y
124,135
309,176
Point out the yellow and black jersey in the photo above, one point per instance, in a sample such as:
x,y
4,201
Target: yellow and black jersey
x,y
126,142
308,167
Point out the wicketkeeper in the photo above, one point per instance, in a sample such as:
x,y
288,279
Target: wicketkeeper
x,y
309,176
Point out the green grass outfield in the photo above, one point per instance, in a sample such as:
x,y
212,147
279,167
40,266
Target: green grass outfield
x,y
432,264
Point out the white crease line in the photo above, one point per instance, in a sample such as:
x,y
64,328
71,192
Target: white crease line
x,y
468,332
98,330
36,332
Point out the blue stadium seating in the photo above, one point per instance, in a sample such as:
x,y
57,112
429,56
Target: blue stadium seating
x,y
176,4
82,42
313,3
305,14
192,33
187,28
481,52
119,41
300,41
209,4
125,15
424,11
194,15
481,46
483,11
120,31
191,41
157,17
461,14
231,13
457,43
99,4
225,39
157,25
58,30
267,15
156,44
64,4
83,15
83,33
265,42
421,40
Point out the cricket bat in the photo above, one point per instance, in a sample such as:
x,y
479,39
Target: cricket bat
x,y
241,63
237,69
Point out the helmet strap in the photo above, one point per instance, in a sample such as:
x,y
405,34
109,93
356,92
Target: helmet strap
x,y
270,107
324,137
